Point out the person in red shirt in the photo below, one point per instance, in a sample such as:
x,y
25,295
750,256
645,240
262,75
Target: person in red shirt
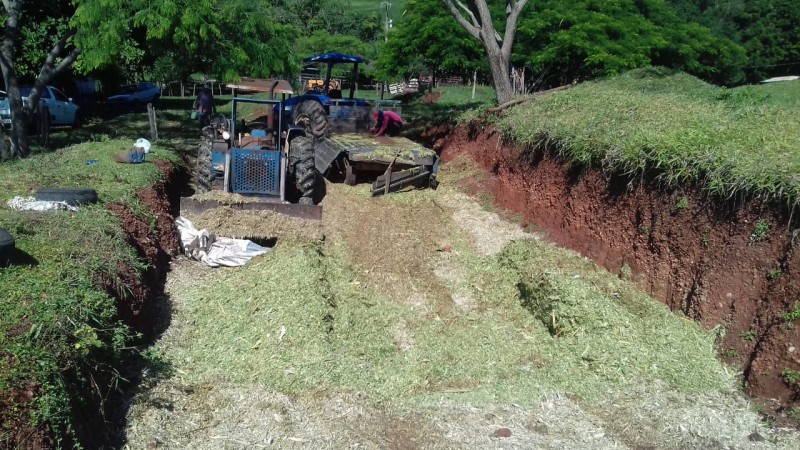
x,y
386,122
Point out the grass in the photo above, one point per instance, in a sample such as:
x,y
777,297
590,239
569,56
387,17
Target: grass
x,y
733,142
59,328
791,315
455,105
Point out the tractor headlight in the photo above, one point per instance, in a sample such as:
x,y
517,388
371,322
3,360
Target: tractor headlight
x,y
226,135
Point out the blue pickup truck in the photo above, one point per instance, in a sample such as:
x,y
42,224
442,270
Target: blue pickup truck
x,y
63,112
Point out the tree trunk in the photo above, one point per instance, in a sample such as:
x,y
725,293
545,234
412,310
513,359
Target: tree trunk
x,y
57,60
20,145
475,17
20,118
5,150
501,77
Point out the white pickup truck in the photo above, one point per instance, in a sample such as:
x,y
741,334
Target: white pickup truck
x,y
63,112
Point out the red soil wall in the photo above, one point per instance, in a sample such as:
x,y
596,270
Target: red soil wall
x,y
698,258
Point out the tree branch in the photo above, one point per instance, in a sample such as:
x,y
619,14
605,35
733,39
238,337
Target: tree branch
x,y
472,28
11,31
3,61
47,68
67,61
511,26
471,15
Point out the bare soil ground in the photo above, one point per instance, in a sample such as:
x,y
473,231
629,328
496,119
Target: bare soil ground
x,y
400,283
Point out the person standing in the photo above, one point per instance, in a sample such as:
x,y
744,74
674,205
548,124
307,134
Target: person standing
x,y
204,105
386,122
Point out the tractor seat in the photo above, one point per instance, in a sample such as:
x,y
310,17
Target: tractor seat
x,y
258,133
266,140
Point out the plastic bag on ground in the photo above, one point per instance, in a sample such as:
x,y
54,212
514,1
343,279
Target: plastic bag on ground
x,y
213,250
143,143
31,204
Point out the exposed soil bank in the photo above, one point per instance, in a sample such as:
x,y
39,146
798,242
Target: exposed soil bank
x,y
156,242
156,246
699,256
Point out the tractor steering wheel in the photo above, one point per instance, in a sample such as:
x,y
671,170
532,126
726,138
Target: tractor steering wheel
x,y
256,126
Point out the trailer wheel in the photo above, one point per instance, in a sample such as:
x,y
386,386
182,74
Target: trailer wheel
x,y
316,120
305,175
205,179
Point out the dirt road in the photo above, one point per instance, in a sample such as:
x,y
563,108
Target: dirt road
x,y
424,320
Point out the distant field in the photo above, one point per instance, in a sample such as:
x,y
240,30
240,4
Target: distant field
x,y
729,141
374,6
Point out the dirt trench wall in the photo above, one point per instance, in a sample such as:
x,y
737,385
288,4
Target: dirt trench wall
x,y
155,246
136,295
695,254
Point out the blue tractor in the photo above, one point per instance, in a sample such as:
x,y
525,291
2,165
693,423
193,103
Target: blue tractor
x,y
322,109
269,163
339,126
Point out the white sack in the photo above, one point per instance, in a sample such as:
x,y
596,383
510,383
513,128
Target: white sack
x,y
143,143
31,204
213,250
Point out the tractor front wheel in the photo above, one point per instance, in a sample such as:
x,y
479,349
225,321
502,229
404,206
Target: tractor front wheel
x,y
312,115
305,174
205,178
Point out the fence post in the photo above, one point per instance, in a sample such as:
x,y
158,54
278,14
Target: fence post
x,y
151,115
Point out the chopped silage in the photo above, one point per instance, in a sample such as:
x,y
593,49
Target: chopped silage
x,y
325,336
383,148
250,224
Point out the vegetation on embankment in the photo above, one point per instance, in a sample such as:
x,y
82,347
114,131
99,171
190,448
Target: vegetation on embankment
x,y
61,337
734,143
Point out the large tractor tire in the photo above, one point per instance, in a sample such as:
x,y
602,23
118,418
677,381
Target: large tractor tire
x,y
204,177
313,117
7,245
305,174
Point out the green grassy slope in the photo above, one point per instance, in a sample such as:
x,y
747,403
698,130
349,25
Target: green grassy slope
x,y
59,330
729,141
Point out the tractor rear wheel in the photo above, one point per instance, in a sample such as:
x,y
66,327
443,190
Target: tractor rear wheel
x,y
313,116
205,179
305,174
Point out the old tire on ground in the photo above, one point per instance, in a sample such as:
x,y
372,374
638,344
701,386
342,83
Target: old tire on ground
x,y
317,123
7,245
72,196
204,177
305,174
